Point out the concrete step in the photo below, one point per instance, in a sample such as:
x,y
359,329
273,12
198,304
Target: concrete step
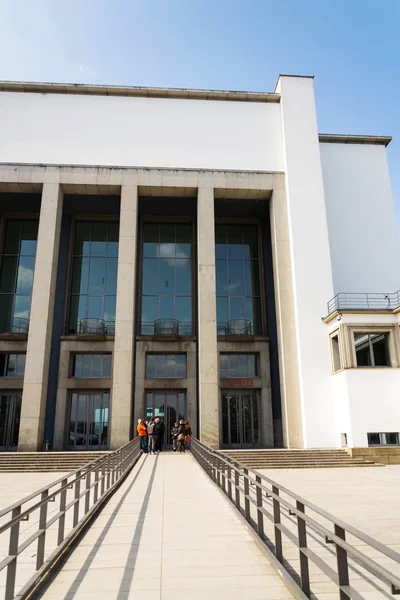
x,y
297,459
42,462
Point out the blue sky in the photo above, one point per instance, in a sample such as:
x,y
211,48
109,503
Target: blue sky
x,y
351,46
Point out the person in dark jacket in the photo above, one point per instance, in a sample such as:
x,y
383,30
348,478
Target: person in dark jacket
x,y
174,436
151,436
188,434
181,436
159,433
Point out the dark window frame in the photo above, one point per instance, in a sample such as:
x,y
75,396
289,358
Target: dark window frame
x,y
382,438
165,355
230,356
369,346
186,328
21,219
73,365
226,222
3,371
76,221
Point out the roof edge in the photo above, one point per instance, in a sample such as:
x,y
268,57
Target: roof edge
x,y
335,138
136,91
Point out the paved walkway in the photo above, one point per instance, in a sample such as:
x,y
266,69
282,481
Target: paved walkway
x,y
167,532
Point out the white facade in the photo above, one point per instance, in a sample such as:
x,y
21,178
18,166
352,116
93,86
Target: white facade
x,y
361,218
333,223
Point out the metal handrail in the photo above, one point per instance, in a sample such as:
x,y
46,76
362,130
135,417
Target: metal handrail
x,y
226,472
100,478
364,301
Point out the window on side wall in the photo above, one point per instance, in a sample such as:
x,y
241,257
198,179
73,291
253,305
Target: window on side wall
x,y
372,349
91,365
165,366
384,439
335,350
233,366
12,365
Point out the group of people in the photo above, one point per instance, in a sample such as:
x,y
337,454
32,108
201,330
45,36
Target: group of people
x,y
151,434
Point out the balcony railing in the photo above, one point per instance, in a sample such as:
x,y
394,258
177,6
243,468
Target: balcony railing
x,y
364,302
96,327
239,327
165,327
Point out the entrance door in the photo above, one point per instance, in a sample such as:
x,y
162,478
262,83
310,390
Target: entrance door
x,y
10,414
89,419
240,419
170,406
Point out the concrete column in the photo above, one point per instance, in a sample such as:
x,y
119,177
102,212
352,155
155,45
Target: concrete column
x,y
34,395
207,319
121,398
309,257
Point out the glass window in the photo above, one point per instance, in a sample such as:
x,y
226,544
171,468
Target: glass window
x,y
241,366
336,364
383,439
16,274
167,275
94,274
372,349
238,276
12,365
164,366
91,365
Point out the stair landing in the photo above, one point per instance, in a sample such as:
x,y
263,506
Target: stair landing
x,y
297,459
45,462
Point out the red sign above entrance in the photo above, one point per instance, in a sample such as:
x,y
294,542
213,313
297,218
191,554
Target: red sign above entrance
x,y
239,382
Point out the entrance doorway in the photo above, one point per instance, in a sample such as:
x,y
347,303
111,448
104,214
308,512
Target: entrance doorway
x,y
240,419
170,406
10,415
89,420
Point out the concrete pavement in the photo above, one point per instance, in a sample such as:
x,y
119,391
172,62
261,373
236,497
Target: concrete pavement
x,y
167,532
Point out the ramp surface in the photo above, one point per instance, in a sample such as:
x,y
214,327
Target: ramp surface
x,y
166,533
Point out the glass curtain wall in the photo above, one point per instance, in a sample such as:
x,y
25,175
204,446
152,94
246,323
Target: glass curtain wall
x,y
238,276
94,274
16,274
167,275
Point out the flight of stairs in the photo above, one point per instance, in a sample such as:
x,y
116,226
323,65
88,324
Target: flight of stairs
x,y
297,459
45,462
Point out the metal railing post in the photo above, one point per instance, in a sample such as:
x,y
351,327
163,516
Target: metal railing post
x,y
103,473
109,473
87,495
237,490
260,516
277,521
63,504
96,486
222,467
229,471
42,527
218,471
113,463
12,551
302,539
246,494
342,564
76,496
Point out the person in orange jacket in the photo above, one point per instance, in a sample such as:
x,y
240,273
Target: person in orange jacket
x,y
142,433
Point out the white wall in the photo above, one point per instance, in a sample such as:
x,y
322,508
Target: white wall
x,y
368,400
129,131
363,235
310,258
